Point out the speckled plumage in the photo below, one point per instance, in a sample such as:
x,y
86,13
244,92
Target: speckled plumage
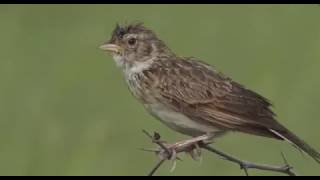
x,y
196,90
189,95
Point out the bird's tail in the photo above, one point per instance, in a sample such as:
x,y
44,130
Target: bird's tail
x,y
299,143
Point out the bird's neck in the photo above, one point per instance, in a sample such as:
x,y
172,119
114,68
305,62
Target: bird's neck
x,y
131,68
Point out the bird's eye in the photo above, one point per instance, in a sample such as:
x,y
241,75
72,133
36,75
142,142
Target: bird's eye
x,y
132,41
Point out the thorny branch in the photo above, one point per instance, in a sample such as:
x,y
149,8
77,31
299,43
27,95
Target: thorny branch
x,y
170,151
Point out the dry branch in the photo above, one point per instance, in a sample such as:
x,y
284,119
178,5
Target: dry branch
x,y
170,151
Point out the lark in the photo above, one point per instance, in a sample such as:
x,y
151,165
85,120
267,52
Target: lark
x,y
188,95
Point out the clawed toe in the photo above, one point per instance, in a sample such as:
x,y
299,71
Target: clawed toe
x,y
171,150
195,152
168,151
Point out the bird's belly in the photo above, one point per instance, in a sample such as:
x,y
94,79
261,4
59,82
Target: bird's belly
x,y
179,121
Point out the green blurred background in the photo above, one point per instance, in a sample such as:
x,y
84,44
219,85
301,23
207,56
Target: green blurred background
x,y
65,110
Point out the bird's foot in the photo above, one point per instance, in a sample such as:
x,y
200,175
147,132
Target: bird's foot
x,y
190,146
167,151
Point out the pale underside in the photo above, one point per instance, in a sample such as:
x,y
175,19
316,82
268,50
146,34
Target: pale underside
x,y
180,122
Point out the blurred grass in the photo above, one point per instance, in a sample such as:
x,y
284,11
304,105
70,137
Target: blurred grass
x,y
65,110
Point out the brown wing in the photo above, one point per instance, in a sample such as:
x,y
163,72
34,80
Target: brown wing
x,y
200,92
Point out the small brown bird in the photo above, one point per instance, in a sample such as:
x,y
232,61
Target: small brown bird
x,y
188,95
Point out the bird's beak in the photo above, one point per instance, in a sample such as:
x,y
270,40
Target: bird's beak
x,y
111,48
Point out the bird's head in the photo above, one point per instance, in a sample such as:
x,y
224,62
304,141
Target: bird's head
x,y
134,43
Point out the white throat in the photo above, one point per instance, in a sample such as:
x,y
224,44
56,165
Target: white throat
x,y
138,67
132,68
135,67
120,61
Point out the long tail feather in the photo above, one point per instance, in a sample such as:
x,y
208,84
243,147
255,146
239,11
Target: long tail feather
x,y
296,141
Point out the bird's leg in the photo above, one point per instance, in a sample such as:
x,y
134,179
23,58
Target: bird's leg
x,y
191,146
168,151
196,153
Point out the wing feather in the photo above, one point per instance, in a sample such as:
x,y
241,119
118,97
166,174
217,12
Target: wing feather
x,y
202,93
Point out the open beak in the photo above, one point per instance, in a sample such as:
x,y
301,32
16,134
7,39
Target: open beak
x,y
111,48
